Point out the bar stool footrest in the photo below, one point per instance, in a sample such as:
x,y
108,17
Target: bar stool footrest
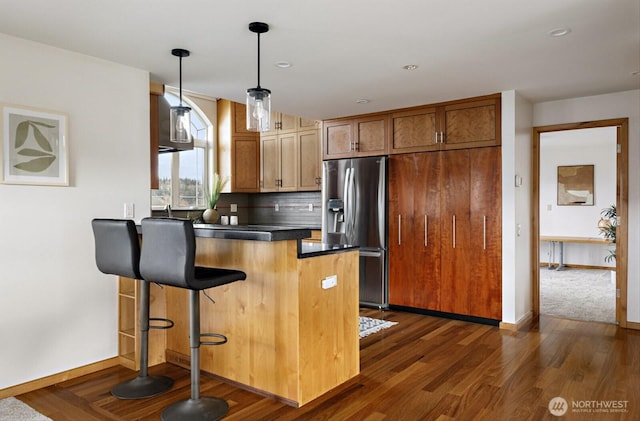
x,y
223,339
169,323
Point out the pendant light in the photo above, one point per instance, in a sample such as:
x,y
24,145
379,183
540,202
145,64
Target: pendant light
x,y
258,99
180,119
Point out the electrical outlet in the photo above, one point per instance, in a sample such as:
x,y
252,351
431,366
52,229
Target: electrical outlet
x,y
310,207
330,282
234,207
129,210
277,207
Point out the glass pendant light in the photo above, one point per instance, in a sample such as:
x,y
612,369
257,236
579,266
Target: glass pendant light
x,y
180,117
258,99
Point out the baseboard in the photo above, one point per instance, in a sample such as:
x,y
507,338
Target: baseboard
x,y
571,265
633,325
514,327
57,378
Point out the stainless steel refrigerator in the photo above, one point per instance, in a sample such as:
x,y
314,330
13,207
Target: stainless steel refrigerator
x,y
354,212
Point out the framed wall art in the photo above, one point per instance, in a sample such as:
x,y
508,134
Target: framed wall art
x,y
34,146
575,185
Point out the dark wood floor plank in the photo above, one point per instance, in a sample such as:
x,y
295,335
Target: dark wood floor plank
x,y
423,368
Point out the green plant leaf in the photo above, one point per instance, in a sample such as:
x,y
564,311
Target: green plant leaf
x,y
36,165
32,152
42,124
42,140
21,133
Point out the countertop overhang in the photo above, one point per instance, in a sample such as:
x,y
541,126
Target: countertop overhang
x,y
251,232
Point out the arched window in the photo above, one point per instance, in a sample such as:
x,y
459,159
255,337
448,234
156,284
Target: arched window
x,y
183,175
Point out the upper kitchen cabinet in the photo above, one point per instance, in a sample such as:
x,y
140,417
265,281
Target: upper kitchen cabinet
x,y
469,123
238,148
357,136
310,161
285,123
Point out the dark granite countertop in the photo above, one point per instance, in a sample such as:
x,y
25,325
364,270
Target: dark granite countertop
x,y
251,232
309,249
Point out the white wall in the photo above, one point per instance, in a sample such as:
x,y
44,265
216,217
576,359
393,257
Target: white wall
x,y
600,107
57,312
516,207
593,146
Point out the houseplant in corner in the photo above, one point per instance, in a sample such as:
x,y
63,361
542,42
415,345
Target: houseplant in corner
x,y
210,215
607,226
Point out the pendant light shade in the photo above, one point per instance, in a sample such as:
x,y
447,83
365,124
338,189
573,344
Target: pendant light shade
x,y
258,99
180,117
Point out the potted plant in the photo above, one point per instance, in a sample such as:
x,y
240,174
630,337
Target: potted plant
x,y
210,215
607,226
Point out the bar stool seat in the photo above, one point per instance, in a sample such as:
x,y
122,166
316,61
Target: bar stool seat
x,y
117,251
168,257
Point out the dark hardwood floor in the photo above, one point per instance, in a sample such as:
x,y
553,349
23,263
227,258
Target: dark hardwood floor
x,y
423,368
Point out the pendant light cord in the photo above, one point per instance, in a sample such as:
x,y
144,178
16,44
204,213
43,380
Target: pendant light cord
x,y
180,72
258,60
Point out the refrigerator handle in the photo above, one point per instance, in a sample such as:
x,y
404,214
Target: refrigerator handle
x,y
349,207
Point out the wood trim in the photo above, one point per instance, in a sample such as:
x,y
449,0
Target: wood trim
x,y
57,378
622,203
523,322
633,325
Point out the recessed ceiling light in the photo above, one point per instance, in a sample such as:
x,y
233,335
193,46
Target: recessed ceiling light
x,y
410,67
559,32
283,64
362,101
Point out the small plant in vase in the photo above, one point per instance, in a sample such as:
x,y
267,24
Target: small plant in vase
x,y
210,215
607,226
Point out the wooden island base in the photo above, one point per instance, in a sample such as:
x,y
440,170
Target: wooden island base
x,y
287,336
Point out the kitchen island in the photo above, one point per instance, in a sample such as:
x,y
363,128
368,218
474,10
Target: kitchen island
x,y
292,334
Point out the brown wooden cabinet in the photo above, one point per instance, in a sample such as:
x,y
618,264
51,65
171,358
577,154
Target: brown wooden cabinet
x,y
445,231
309,160
238,149
129,325
279,162
290,156
360,136
461,124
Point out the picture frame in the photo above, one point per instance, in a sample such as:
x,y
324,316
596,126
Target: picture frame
x,y
575,185
35,146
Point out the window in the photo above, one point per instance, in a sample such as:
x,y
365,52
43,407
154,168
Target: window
x,y
182,175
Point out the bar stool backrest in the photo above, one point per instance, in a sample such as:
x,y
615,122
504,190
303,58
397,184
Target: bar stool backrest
x,y
117,247
168,251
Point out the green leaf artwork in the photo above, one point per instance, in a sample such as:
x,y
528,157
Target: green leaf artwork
x,y
22,131
43,157
37,164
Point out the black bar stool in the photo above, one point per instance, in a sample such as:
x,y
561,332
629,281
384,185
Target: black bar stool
x,y
118,253
168,257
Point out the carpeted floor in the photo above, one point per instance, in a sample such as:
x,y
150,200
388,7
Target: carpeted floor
x,y
369,325
580,294
12,409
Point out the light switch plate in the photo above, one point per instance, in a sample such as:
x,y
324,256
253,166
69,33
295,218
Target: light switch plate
x,y
129,210
234,207
330,282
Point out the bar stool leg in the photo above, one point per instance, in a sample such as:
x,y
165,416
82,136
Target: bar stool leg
x,y
143,386
197,408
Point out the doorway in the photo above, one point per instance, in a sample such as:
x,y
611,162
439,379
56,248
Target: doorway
x,y
621,201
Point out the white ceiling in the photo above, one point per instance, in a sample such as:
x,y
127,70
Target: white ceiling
x,y
344,50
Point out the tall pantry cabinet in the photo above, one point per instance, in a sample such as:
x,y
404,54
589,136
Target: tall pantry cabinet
x,y
445,231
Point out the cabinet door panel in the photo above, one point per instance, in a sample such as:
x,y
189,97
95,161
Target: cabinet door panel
x,y
472,124
240,119
246,176
414,131
456,256
269,167
426,231
338,139
309,165
371,135
402,282
485,286
288,123
288,161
